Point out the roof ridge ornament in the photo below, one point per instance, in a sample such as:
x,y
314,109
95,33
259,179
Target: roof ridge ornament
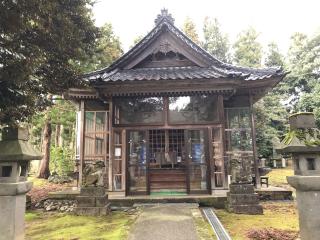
x,y
164,15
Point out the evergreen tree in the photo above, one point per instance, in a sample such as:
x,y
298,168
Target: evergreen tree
x,y
247,49
108,49
274,58
271,113
303,79
305,76
40,40
271,122
215,42
58,123
189,28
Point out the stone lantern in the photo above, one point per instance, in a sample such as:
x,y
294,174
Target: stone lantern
x,y
305,150
15,155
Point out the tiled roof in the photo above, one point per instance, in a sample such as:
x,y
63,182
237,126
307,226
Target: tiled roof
x,y
216,69
176,73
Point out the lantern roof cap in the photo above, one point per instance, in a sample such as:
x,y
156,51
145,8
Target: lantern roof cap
x,y
15,146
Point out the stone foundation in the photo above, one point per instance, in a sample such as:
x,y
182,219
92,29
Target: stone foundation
x,y
58,205
92,201
242,199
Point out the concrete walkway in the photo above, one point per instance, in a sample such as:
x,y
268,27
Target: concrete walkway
x,y
165,222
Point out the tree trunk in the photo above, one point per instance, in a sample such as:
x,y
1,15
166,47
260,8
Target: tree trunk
x,y
44,171
57,136
60,136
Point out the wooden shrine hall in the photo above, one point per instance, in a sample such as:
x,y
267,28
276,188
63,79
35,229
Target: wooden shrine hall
x,y
167,116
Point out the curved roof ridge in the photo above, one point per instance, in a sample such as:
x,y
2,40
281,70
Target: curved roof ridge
x,y
216,64
151,34
257,69
165,68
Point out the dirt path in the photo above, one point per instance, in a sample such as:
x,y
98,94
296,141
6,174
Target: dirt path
x,y
165,222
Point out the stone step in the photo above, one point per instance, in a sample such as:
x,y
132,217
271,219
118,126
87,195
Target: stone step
x,y
92,201
93,211
245,209
238,199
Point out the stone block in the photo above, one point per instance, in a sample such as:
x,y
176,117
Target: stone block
x,y
87,211
92,191
105,210
246,209
239,199
86,201
92,211
101,201
12,211
241,188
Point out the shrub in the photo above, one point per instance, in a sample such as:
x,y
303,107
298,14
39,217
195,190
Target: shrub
x,y
61,160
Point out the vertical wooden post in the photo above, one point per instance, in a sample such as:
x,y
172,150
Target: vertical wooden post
x,y
188,160
106,153
254,144
123,159
208,143
166,111
146,134
223,124
111,149
211,165
82,140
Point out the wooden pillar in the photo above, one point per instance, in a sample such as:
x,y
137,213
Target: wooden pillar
x,y
166,111
223,125
111,148
123,161
254,144
82,138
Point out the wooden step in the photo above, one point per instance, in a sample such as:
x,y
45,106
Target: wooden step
x,y
168,179
167,174
172,185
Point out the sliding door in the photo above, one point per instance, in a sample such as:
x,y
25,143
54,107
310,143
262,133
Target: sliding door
x,y
198,161
137,162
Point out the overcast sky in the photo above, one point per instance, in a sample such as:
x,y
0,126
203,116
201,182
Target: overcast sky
x,y
275,20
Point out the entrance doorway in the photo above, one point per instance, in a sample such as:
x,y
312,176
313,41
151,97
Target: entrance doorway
x,y
168,161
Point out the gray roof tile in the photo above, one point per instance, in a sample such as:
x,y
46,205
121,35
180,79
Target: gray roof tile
x,y
217,69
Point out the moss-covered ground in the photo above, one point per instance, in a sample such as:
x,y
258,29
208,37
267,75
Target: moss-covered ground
x,y
38,182
277,177
40,225
204,229
278,215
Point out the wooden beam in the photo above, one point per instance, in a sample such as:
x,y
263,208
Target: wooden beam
x,y
254,144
